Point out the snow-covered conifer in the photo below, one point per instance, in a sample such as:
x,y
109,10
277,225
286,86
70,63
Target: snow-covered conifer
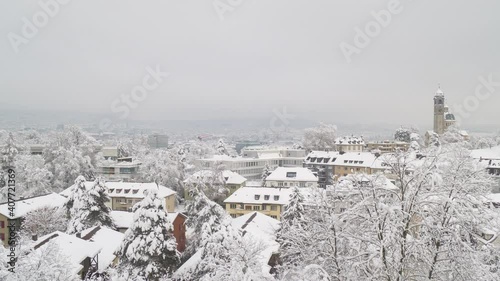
x,y
149,250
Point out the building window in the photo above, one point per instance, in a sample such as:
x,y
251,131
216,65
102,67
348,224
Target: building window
x,y
256,208
274,208
248,208
232,206
233,215
126,170
2,236
266,197
276,197
2,224
274,217
257,197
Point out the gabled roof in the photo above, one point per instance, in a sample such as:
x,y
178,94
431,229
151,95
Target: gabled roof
x,y
128,189
125,219
260,195
107,239
76,249
229,177
292,174
24,206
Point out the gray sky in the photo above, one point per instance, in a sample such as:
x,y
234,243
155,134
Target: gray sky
x,y
264,55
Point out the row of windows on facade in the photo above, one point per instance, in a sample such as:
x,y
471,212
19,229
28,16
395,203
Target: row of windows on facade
x,y
254,208
111,170
239,215
291,184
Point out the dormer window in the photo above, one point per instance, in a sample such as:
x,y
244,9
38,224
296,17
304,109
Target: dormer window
x,y
135,191
119,191
257,197
291,174
111,190
266,197
276,197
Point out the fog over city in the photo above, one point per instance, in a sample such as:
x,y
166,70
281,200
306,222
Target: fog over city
x,y
247,58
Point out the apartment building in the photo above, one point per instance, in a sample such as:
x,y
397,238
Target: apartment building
x,y
349,144
320,163
356,163
266,200
254,159
23,207
292,176
387,146
121,169
124,195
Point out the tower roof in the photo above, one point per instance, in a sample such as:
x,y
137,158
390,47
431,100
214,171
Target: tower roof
x,y
439,92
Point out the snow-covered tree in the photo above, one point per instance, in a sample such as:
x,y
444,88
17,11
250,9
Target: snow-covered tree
x,y
221,148
292,222
88,206
452,135
406,134
48,262
265,173
71,153
35,178
320,138
43,221
149,250
9,151
162,167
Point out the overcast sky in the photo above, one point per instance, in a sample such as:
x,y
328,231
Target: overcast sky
x,y
263,55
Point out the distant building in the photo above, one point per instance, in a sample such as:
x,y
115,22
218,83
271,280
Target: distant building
x,y
121,169
242,144
387,146
110,152
320,163
349,144
266,200
158,141
36,149
330,166
291,177
124,195
443,118
254,159
23,207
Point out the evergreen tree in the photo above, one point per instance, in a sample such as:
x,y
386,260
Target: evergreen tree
x,y
265,173
9,152
88,206
149,250
221,148
292,223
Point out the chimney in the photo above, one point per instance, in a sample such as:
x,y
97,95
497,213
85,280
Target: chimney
x,y
34,237
78,235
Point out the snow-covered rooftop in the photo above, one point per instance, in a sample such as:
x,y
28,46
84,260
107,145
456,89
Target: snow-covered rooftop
x,y
24,206
488,153
356,159
125,219
260,195
128,189
230,177
76,249
108,240
292,174
349,140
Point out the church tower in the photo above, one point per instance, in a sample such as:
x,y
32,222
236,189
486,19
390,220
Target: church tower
x,y
439,111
